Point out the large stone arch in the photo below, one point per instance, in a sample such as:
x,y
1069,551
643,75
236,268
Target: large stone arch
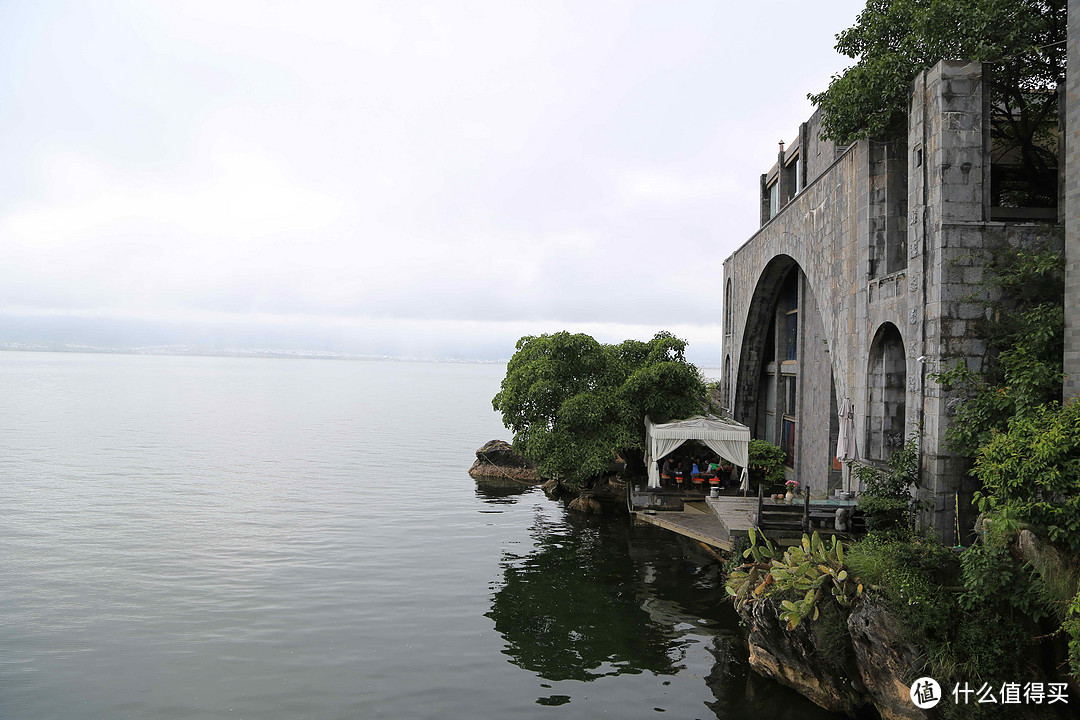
x,y
787,395
753,340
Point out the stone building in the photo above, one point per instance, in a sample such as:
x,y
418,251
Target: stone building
x,y
1072,206
858,284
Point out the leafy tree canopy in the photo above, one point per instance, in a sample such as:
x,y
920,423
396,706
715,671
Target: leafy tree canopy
x,y
893,40
574,403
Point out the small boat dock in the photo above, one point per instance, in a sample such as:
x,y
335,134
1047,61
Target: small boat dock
x,y
713,521
721,520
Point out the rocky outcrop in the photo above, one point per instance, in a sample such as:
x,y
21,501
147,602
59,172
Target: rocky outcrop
x,y
877,672
791,657
606,497
586,504
496,460
553,489
886,663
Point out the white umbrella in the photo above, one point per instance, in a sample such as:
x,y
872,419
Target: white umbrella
x,y
846,446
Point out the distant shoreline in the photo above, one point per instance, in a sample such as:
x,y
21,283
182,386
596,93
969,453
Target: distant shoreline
x,y
239,352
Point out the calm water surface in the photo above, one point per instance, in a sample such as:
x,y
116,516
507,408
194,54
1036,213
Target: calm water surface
x,y
190,537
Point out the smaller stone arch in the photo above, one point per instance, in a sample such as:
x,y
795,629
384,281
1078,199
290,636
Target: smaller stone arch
x,y
886,388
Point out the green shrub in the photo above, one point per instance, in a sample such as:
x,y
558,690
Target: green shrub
x,y
886,500
808,573
909,573
969,637
992,577
766,463
1031,473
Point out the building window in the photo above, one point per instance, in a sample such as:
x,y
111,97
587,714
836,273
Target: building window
x,y
787,441
774,199
788,433
770,408
789,319
791,335
727,308
778,389
792,178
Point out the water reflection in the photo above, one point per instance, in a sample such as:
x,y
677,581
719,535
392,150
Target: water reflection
x,y
601,597
500,491
572,608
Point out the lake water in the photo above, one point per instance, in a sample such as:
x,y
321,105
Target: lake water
x,y
186,537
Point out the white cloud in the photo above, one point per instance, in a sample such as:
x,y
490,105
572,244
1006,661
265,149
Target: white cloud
x,y
245,197
672,187
529,164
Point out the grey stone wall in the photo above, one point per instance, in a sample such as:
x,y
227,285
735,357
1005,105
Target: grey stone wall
x,y
1072,207
819,154
923,203
818,425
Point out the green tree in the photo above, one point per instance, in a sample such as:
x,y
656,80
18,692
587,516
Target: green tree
x,y
574,403
1022,42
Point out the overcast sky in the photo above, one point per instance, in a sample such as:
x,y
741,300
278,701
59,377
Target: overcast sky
x,y
408,178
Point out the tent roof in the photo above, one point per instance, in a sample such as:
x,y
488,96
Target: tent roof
x,y
701,427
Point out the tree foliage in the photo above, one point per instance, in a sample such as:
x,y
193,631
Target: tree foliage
x,y
887,501
574,403
1031,473
1021,41
1025,444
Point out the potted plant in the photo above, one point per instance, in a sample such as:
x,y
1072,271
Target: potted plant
x,y
792,489
766,463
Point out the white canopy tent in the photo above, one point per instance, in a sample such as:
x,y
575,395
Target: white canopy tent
x,y
726,438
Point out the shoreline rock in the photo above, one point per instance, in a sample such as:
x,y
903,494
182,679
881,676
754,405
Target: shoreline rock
x,y
790,658
497,461
875,674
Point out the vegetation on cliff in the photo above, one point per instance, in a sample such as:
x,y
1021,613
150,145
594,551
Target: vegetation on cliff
x,y
575,404
1025,445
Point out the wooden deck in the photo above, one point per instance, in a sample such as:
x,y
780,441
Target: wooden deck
x,y
720,521
717,523
736,512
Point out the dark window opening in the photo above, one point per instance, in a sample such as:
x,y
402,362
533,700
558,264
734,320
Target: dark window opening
x,y
1023,152
787,442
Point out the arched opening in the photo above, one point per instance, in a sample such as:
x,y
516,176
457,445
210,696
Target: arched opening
x,y
758,342
726,382
727,308
887,391
782,384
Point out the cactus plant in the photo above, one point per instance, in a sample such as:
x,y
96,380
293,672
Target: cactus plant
x,y
813,567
